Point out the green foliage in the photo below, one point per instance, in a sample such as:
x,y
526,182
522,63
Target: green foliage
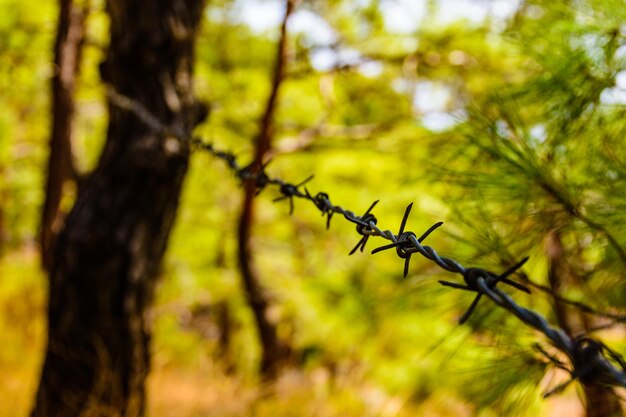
x,y
504,127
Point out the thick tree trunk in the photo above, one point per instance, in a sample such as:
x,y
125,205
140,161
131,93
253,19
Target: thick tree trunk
x,y
67,53
106,258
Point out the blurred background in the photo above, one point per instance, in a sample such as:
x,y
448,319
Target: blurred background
x,y
505,119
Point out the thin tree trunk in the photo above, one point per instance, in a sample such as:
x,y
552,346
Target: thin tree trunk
x,y
107,256
600,401
274,352
67,53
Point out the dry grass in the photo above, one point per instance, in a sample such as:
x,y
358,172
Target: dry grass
x,y
180,393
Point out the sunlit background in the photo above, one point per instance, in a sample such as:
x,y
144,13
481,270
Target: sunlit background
x,y
466,108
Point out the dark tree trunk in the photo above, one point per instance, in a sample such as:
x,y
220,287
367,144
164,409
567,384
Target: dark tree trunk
x,y
107,256
67,53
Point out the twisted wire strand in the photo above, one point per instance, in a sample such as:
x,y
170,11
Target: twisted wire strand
x,y
558,337
587,356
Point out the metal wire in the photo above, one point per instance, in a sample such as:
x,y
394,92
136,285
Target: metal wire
x,y
587,356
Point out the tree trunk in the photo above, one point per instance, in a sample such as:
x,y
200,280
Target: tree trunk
x,y
107,256
600,401
273,351
67,53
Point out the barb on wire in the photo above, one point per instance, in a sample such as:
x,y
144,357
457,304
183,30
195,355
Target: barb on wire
x,y
403,242
322,202
289,191
260,178
589,365
471,277
365,231
591,361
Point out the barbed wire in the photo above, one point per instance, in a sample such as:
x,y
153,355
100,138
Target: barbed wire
x,y
591,361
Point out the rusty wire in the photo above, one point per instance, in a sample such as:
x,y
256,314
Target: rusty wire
x,y
587,356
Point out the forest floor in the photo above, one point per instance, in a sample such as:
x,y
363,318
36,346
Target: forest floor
x,y
180,390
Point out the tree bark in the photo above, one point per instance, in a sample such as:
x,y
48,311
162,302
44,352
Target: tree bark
x,y
67,53
107,256
273,351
